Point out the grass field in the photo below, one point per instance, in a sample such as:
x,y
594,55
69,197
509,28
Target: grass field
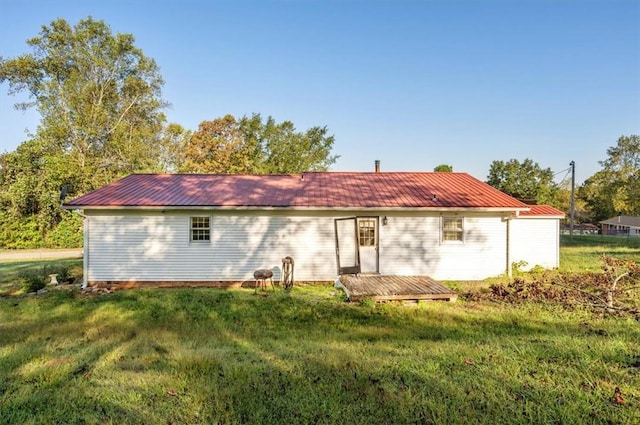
x,y
582,253
228,356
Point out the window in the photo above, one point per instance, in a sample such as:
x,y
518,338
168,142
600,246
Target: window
x,y
452,229
367,232
200,229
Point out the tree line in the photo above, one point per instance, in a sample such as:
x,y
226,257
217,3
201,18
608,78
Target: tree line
x,y
101,108
99,98
614,190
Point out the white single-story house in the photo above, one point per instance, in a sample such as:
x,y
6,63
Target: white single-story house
x,y
218,229
627,225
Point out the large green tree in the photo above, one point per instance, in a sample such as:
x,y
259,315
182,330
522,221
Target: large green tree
x,y
172,142
252,145
100,106
283,149
524,180
616,188
98,96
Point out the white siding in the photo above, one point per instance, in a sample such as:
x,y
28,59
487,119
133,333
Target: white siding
x,y
535,241
410,245
155,246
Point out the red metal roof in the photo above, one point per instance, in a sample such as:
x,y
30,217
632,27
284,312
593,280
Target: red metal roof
x,y
316,189
542,210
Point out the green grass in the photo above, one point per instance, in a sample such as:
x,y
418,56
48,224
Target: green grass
x,y
582,253
11,271
212,356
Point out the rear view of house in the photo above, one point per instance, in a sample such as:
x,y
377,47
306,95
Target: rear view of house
x,y
219,229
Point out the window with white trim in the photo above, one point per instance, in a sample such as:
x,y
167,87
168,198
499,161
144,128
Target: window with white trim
x,y
200,229
452,229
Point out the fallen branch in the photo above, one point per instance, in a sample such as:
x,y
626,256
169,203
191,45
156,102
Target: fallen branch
x,y
613,288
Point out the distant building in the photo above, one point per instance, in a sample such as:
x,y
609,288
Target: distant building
x,y
621,225
580,229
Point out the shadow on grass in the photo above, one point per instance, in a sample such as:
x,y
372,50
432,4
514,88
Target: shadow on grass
x,y
213,356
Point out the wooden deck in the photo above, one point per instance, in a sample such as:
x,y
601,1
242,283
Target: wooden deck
x,y
393,288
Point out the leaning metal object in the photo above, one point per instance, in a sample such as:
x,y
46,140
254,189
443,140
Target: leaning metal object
x,y
287,273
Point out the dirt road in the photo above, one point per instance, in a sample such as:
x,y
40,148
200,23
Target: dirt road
x,y
39,254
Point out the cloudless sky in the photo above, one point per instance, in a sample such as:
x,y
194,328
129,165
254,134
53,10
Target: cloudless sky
x,y
411,83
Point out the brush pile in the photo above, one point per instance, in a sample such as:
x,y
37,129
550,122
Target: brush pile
x,y
616,289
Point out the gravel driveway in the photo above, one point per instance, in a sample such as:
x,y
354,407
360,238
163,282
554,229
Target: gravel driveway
x,y
39,254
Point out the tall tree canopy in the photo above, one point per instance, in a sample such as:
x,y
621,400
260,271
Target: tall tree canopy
x,y
217,146
253,146
524,180
101,117
443,168
616,188
98,97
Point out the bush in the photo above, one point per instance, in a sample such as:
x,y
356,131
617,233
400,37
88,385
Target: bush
x,y
517,267
31,281
66,274
35,279
67,234
25,232
60,270
19,233
74,274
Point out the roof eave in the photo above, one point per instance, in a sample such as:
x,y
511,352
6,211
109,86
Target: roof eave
x,y
277,208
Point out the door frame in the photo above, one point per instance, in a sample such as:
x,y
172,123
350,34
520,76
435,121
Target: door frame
x,y
357,268
351,269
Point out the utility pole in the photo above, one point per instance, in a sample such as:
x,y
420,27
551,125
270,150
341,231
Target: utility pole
x,y
573,203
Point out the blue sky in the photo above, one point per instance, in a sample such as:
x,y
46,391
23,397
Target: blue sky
x,y
411,83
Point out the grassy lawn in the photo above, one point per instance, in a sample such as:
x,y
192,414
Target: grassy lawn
x,y
228,356
582,253
12,271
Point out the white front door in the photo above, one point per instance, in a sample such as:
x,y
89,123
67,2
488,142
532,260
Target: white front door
x,y
368,244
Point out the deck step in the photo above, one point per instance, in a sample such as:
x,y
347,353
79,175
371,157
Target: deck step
x,y
393,288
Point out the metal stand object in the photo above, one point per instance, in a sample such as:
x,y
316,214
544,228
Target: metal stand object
x,y
261,277
287,273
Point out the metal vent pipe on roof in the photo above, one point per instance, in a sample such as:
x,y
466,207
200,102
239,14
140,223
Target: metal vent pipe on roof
x,y
377,166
